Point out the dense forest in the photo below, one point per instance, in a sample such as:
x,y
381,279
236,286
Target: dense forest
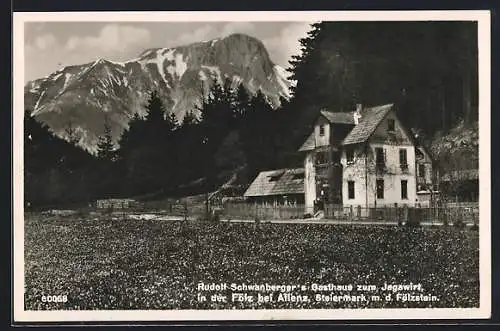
x,y
428,69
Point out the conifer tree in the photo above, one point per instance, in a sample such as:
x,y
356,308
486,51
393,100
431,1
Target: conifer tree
x,y
105,146
241,104
171,122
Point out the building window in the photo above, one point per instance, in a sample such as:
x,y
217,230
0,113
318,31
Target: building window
x,y
321,158
350,189
390,125
349,153
421,170
403,161
380,188
379,157
322,130
404,189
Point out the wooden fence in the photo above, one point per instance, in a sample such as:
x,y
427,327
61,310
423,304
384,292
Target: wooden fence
x,y
407,214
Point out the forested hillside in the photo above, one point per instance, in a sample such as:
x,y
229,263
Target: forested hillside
x,y
429,69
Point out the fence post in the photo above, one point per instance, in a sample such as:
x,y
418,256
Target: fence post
x,y
359,211
405,214
185,210
396,213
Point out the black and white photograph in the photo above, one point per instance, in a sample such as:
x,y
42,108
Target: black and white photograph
x,y
251,165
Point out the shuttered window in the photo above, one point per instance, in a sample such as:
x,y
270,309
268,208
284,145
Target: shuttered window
x,y
380,188
350,189
404,189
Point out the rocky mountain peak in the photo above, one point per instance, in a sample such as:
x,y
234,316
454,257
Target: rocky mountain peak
x,y
82,94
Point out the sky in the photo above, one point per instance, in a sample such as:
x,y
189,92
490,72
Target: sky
x,y
50,46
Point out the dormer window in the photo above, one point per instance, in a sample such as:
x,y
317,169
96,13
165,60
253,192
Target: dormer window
x,y
391,125
322,130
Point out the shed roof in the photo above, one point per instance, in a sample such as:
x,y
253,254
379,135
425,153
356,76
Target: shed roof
x,y
277,182
369,121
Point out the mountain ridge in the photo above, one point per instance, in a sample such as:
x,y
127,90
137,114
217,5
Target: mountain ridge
x,y
80,95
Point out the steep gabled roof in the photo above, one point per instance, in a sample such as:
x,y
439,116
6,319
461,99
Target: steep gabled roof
x,y
277,182
331,117
338,118
369,121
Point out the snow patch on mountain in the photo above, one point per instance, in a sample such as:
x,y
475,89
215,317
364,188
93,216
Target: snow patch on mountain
x,y
180,65
202,75
36,109
251,83
56,76
160,58
178,68
121,64
237,80
67,77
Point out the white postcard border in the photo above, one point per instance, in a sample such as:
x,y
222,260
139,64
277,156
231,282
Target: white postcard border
x,y
484,56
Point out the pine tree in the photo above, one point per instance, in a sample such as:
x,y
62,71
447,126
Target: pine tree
x,y
189,119
105,146
172,123
257,134
71,133
56,171
155,109
241,104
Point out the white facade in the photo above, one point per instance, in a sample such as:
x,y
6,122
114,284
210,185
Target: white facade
x,y
396,175
309,182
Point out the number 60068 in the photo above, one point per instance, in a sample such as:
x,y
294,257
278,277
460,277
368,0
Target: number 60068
x,y
54,298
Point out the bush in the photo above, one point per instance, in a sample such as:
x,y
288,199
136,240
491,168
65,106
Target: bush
x,y
459,224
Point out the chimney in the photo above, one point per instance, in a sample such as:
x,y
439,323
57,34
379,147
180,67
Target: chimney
x,y
357,114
